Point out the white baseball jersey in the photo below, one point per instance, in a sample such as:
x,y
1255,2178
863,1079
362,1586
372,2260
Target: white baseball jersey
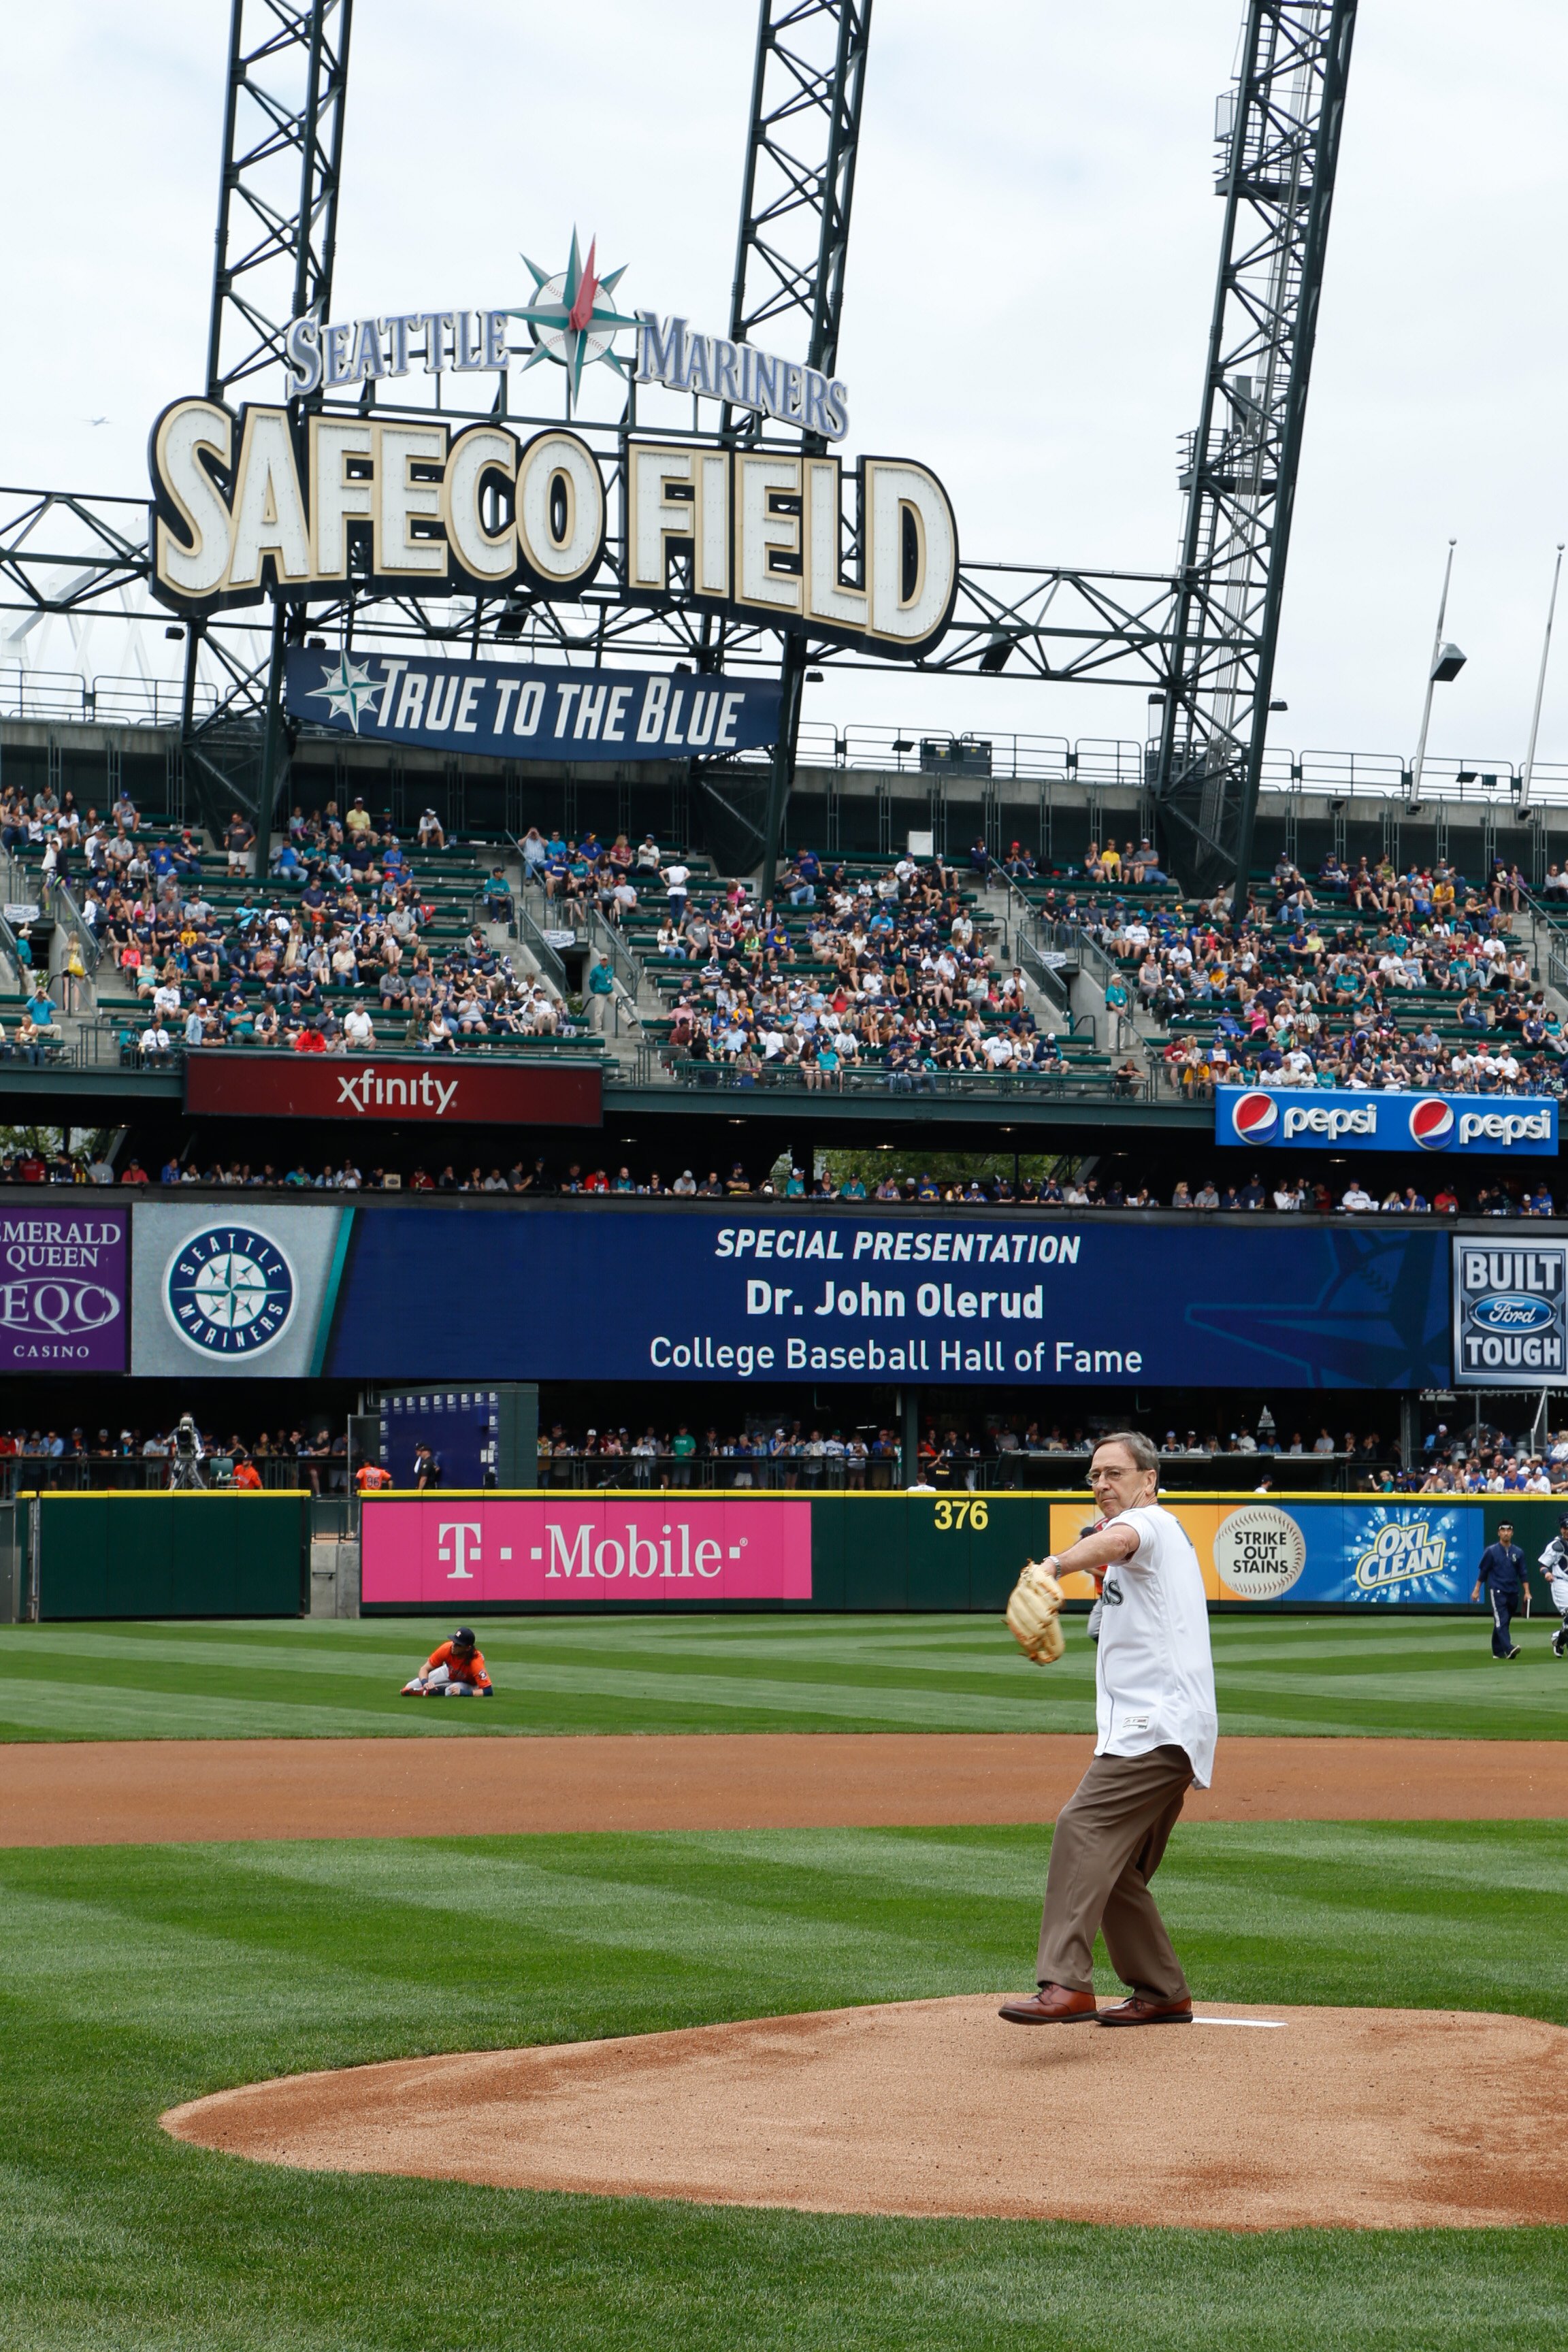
x,y
1554,1560
1153,1669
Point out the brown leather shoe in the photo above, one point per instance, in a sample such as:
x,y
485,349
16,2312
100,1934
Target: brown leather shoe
x,y
1054,2004
1139,2011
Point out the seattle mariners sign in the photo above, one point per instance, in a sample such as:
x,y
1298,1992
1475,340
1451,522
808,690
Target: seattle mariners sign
x,y
1334,1120
233,1297
271,501
572,320
229,1291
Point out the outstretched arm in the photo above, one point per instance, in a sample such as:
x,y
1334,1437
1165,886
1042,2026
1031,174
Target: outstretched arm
x,y
1101,1548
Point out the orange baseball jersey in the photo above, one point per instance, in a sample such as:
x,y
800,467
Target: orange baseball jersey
x,y
468,1670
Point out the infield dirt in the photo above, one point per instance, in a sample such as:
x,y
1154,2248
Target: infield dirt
x,y
1320,2118
115,1792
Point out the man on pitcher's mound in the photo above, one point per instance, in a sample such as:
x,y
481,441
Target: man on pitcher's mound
x,y
1155,1711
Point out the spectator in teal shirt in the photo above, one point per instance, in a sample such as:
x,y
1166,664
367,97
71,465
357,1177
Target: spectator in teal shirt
x,y
601,994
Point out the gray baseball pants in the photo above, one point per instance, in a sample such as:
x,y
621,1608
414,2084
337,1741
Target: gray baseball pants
x,y
1109,1838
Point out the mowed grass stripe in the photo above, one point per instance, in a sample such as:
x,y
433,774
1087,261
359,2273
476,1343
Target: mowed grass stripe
x,y
1371,1675
845,1663
714,1697
152,1975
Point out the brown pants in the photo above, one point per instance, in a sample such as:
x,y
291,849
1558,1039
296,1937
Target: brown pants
x,y
1109,1838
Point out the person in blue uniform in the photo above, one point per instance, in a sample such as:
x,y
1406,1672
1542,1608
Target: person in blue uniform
x,y
1501,1577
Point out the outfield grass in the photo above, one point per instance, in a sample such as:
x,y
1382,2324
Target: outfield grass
x,y
133,1978
1380,1673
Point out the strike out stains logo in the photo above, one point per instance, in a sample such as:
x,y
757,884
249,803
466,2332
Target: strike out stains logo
x,y
1259,1552
229,1291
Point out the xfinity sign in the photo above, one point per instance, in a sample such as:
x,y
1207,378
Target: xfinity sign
x,y
1311,1120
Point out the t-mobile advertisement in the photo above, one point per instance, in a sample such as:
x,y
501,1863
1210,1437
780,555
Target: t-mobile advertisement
x,y
595,1291
65,1291
472,1552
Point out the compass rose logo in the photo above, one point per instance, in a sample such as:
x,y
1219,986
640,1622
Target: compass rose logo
x,y
229,1291
572,318
348,692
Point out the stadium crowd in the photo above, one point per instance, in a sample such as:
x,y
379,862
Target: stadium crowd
x,y
992,1451
895,967
328,956
1295,1195
1373,979
1370,978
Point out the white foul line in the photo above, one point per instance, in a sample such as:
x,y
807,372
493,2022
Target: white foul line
x,y
1258,2024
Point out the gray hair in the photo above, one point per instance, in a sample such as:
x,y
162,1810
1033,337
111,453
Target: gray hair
x,y
1145,1454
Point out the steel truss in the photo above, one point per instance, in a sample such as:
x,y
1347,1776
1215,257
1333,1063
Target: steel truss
x,y
1278,131
1203,640
276,239
802,141
278,192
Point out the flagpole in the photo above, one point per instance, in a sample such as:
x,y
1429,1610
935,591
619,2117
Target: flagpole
x,y
1540,688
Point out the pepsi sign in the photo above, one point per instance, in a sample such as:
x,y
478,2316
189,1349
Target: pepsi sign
x,y
1432,1122
1510,1314
1309,1118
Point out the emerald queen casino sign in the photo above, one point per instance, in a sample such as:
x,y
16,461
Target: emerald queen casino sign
x,y
273,501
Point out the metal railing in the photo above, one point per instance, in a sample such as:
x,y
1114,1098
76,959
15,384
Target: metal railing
x,y
1048,953
929,756
539,947
10,948
140,1474
113,1037
64,908
657,1065
1077,941
103,699
605,941
1051,977
1017,1470
932,756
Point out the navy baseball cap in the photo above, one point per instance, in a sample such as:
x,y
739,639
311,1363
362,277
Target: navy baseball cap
x,y
463,1638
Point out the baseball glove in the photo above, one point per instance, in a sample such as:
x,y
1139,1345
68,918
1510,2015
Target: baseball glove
x,y
1033,1618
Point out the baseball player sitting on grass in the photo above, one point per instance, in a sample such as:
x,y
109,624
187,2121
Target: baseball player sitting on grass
x,y
1554,1560
1154,1705
453,1669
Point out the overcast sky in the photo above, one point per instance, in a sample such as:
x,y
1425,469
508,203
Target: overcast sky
x,y
1029,283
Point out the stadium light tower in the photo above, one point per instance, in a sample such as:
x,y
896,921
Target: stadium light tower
x,y
1278,132
1446,663
803,140
286,92
1528,777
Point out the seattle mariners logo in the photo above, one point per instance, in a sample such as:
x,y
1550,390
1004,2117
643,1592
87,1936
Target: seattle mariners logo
x,y
1255,1117
229,1291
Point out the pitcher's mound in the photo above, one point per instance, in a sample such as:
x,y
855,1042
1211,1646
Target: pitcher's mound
x,y
1283,2119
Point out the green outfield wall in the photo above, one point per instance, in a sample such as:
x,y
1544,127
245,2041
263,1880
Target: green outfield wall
x,y
207,1555
248,1555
